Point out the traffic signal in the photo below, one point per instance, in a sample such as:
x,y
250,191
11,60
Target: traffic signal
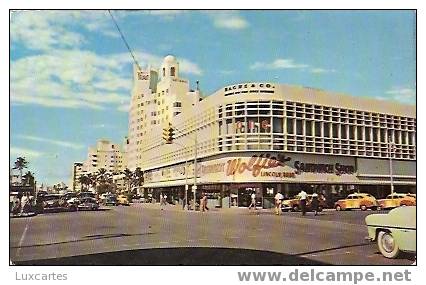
x,y
168,134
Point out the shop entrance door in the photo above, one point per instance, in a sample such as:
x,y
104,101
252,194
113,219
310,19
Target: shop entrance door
x,y
244,196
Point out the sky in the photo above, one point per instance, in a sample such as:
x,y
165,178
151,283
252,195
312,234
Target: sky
x,y
71,73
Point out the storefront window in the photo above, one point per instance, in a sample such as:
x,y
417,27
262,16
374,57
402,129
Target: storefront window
x,y
299,127
278,125
290,126
252,125
309,128
265,124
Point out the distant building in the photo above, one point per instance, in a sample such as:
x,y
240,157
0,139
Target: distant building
x,y
77,172
105,155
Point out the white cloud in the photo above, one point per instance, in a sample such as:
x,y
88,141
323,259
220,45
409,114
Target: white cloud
x,y
402,94
43,30
51,141
25,152
102,126
288,63
49,30
69,79
321,70
228,20
280,63
168,15
79,78
227,72
124,108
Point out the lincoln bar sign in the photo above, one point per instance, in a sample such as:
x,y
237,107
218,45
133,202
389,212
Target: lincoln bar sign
x,y
266,166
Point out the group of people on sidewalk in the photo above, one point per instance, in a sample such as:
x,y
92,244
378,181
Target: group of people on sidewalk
x,y
21,204
203,203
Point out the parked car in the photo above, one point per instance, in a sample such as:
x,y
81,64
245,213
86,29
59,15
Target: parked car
x,y
294,204
122,200
87,194
397,199
88,203
361,201
110,201
55,203
394,232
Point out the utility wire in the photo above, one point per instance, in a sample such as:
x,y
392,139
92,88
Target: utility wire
x,y
124,40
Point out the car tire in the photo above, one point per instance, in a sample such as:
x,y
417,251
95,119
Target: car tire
x,y
319,208
338,208
374,208
295,208
387,245
363,208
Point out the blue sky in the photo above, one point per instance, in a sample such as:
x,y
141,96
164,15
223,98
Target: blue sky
x,y
70,71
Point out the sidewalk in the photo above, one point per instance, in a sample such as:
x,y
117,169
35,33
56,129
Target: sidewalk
x,y
178,208
22,215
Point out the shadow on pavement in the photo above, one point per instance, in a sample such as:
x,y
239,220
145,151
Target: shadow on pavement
x,y
180,256
86,238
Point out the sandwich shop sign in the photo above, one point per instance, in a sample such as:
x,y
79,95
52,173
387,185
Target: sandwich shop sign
x,y
278,167
252,167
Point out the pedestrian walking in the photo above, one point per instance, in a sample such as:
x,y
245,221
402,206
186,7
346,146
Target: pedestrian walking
x,y
253,201
302,198
315,203
203,203
16,205
278,201
183,203
25,203
162,200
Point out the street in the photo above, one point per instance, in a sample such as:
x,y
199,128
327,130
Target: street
x,y
143,234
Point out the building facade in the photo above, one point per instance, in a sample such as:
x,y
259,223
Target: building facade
x,y
105,155
264,137
77,172
157,98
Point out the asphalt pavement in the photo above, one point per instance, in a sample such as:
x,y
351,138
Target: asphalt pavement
x,y
143,234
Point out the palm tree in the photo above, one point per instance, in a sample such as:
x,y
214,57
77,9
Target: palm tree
x,y
28,179
20,164
103,180
84,181
138,177
128,174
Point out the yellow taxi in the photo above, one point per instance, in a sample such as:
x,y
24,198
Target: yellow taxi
x,y
361,201
122,200
397,199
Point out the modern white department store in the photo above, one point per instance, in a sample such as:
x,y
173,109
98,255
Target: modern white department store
x,y
267,137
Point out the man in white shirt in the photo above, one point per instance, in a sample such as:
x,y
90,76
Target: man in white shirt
x,y
253,201
278,200
302,197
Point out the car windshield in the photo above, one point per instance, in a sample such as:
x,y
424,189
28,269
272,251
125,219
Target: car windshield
x,y
51,197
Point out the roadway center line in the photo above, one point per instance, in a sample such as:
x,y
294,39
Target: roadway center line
x,y
21,241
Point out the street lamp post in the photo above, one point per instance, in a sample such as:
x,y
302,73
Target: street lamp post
x,y
194,187
391,147
195,169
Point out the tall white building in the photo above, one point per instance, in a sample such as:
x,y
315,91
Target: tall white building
x,y
157,98
267,137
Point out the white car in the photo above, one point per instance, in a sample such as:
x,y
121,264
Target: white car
x,y
394,232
